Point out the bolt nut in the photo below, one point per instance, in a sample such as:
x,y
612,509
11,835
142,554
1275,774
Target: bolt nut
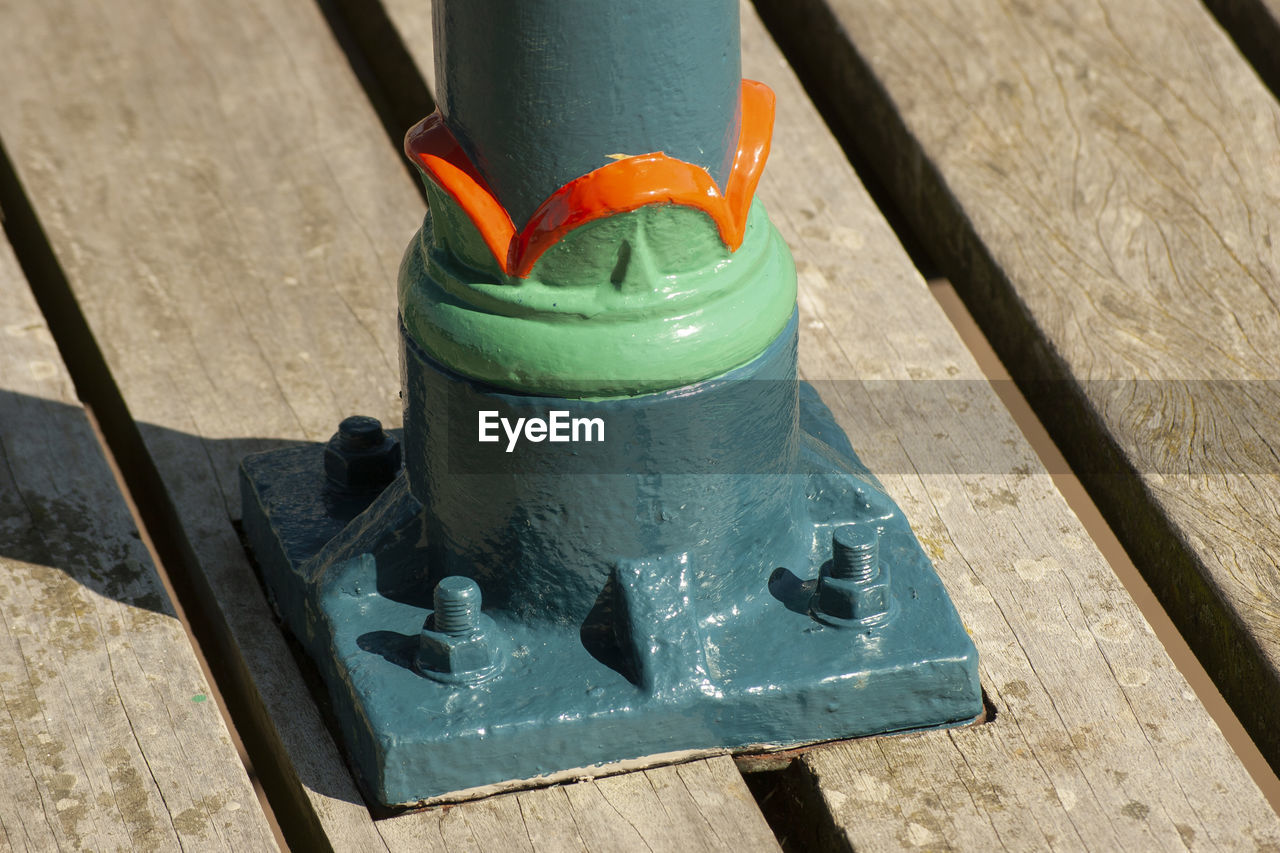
x,y
361,456
845,599
458,643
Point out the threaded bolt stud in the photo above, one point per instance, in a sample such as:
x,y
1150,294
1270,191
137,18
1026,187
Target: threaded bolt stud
x,y
457,605
855,553
361,431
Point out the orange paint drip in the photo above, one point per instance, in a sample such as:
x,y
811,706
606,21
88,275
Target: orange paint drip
x,y
431,146
618,187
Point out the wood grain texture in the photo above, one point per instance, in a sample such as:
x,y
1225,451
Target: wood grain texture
x,y
108,737
255,312
230,219
1100,181
236,286
1098,742
700,805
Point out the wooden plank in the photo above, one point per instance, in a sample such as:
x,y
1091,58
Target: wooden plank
x,y
700,805
1101,181
233,240
1098,742
107,731
227,276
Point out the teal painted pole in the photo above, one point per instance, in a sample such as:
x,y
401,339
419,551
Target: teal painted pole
x,y
615,525
540,92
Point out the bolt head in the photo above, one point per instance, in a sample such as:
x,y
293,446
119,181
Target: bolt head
x,y
361,456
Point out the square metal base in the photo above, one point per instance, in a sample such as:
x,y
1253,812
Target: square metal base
x,y
767,675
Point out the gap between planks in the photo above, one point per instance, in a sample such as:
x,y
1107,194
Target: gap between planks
x,y
141,487
99,675
1254,25
1104,537
180,611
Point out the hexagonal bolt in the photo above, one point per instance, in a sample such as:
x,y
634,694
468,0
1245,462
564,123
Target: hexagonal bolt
x,y
855,590
361,456
458,643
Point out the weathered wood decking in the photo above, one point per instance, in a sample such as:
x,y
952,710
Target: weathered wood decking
x,y
108,735
1103,186
229,215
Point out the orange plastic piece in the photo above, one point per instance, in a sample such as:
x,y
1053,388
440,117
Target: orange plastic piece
x,y
618,187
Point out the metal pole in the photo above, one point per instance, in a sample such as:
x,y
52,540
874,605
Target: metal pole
x,y
539,92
